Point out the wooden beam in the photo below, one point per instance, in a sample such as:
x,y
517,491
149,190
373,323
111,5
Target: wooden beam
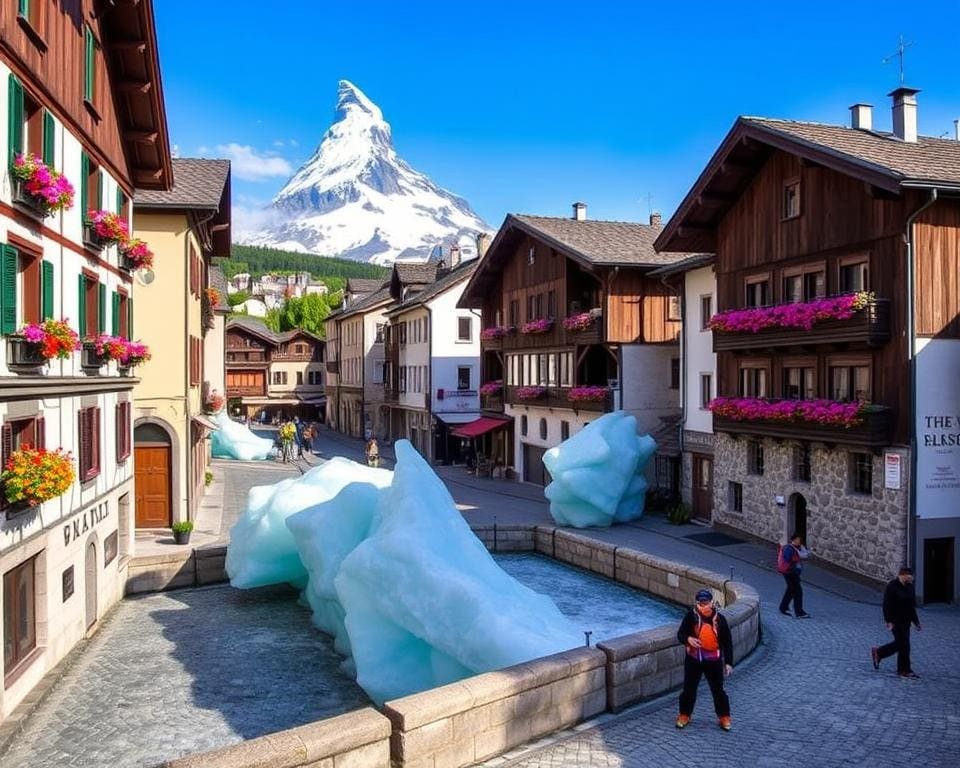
x,y
134,86
128,45
148,176
142,137
713,198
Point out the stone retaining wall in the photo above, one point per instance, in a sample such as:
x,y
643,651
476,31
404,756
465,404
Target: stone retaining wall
x,y
486,715
190,568
359,739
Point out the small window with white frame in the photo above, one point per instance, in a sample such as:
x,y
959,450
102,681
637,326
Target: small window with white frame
x,y
464,329
706,311
706,390
791,199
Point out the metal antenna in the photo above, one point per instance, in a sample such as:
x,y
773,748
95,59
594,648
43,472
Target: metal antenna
x,y
901,49
649,198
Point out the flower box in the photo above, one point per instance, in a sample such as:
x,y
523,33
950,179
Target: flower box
x,y
543,325
588,394
24,354
53,338
106,228
497,332
90,358
582,321
34,475
135,254
27,202
491,388
38,188
531,393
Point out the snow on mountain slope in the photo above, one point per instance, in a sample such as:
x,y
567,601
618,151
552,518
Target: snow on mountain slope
x,y
356,198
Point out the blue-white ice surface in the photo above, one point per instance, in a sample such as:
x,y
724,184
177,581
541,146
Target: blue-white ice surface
x,y
598,474
411,595
235,441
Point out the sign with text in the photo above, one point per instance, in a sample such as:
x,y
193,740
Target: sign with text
x,y
938,428
891,471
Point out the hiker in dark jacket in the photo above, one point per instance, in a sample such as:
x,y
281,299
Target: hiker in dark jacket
x,y
791,557
705,635
899,612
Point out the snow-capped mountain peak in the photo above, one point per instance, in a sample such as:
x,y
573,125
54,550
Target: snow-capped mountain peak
x,y
355,197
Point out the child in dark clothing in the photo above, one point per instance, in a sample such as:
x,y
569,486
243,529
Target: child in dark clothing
x,y
705,635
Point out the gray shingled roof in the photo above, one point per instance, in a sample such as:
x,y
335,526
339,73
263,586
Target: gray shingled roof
x,y
357,285
684,265
416,273
607,243
255,325
927,159
368,302
445,281
197,183
219,281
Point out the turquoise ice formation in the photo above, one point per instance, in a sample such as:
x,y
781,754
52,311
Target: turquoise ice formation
x,y
598,474
235,441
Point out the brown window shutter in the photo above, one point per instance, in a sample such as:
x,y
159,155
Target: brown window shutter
x,y
95,439
118,420
6,441
82,443
40,435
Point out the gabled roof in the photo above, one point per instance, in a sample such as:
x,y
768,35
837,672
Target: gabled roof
x,y
444,282
198,184
593,244
878,158
684,265
358,285
413,273
258,328
367,303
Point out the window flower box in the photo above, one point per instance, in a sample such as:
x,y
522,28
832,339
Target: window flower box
x,y
38,188
491,387
135,254
497,332
531,393
588,394
32,476
23,354
582,321
50,339
543,325
107,227
90,358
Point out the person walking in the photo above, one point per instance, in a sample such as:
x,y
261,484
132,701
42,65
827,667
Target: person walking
x,y
791,566
899,612
705,635
373,452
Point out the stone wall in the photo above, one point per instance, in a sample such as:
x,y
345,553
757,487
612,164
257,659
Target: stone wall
x,y
359,739
866,534
174,570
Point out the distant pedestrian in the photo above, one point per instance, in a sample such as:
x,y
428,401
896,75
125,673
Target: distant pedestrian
x,y
372,452
791,566
899,612
705,635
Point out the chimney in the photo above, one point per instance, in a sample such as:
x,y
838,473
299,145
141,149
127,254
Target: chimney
x,y
655,219
861,116
454,256
956,129
905,113
483,242
579,211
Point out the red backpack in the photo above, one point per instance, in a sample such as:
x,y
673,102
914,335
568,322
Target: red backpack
x,y
783,565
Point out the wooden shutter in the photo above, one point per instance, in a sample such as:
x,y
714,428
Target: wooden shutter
x,y
101,182
23,8
8,289
83,443
46,289
130,317
115,314
95,439
49,139
81,305
40,432
84,182
89,62
15,117
118,426
6,444
101,308
119,200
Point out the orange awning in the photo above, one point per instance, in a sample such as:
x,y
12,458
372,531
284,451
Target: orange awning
x,y
479,427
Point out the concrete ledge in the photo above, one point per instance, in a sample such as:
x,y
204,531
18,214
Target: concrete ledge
x,y
174,570
354,740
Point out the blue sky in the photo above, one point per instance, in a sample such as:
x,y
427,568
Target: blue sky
x,y
527,106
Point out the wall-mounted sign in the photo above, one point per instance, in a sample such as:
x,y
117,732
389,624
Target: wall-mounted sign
x,y
85,521
891,471
938,428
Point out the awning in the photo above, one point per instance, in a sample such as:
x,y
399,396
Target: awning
x,y
480,427
314,400
206,422
457,418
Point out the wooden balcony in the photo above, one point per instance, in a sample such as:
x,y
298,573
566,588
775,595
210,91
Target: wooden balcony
x,y
869,326
247,391
559,397
492,402
872,432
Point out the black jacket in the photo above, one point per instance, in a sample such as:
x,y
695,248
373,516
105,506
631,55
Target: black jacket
x,y
900,603
724,638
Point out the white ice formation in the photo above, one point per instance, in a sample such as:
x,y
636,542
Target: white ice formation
x,y
232,440
394,573
598,474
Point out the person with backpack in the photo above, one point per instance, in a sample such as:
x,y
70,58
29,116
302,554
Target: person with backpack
x,y
705,635
789,564
899,612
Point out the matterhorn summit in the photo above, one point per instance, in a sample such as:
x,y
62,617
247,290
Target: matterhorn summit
x,y
356,198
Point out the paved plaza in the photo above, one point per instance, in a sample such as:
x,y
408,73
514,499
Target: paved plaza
x,y
193,669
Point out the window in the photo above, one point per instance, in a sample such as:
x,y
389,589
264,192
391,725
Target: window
x,y
123,430
706,390
463,377
706,312
67,583
89,429
757,292
674,373
566,369
551,303
791,199
19,614
514,312
90,186
673,308
89,65
850,382
33,13
121,315
531,308
755,457
753,382
801,463
564,430
300,378
403,332
523,426
861,473
735,496
110,548
804,285
543,429
854,276
464,329
19,433
403,378
798,384
378,339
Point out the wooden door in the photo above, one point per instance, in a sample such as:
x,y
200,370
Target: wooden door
x,y
533,469
90,583
938,570
702,486
152,483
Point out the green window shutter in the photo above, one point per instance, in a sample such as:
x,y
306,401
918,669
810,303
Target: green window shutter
x,y
48,138
15,117
46,284
101,308
23,8
8,289
130,317
84,173
89,60
100,184
119,200
81,305
115,315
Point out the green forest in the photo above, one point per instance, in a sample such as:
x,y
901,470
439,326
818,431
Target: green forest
x,y
259,260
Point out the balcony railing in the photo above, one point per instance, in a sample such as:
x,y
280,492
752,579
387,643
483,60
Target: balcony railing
x,y
869,326
559,397
492,402
872,432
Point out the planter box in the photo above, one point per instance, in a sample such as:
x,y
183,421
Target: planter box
x,y
27,202
90,360
126,263
873,431
24,354
558,397
91,240
870,326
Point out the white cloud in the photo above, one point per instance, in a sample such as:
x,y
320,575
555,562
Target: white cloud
x,y
250,215
248,165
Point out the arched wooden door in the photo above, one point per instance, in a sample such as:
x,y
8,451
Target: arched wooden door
x,y
152,478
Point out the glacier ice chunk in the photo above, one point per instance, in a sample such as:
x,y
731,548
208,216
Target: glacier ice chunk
x,y
235,441
598,474
425,604
262,549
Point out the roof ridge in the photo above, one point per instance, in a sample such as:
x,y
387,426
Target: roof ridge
x,y
584,221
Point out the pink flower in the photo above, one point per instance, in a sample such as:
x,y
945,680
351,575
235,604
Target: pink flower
x,y
531,393
580,322
51,189
491,387
494,332
588,394
543,325
138,252
800,315
826,412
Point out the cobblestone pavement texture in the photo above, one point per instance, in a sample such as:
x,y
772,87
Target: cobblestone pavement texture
x,y
158,680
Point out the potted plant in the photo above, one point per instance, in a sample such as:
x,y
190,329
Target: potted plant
x,y
213,402
181,531
679,513
105,228
581,321
588,394
136,353
491,388
36,343
40,188
135,254
31,476
543,325
207,478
